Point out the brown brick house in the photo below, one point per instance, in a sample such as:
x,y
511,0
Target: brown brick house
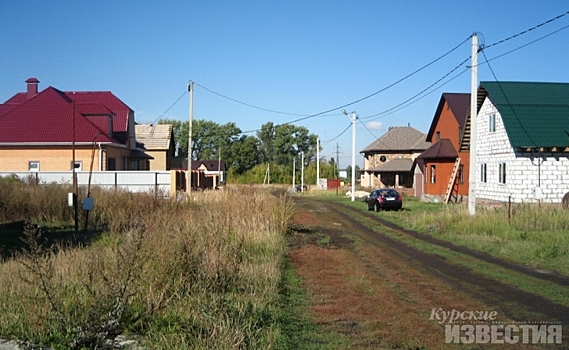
x,y
38,131
389,160
446,133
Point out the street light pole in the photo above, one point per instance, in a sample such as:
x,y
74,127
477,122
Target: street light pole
x,y
190,122
353,119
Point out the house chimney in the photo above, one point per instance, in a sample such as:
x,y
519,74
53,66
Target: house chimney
x,y
32,87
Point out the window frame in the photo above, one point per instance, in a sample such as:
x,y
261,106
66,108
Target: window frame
x,y
502,173
461,174
483,173
433,174
33,162
492,123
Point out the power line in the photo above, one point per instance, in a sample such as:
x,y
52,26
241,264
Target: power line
x,y
247,104
340,134
508,101
169,108
422,91
528,30
365,126
521,47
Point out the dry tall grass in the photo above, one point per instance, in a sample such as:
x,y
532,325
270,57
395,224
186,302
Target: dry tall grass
x,y
203,274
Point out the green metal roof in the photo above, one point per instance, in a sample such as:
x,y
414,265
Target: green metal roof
x,y
534,114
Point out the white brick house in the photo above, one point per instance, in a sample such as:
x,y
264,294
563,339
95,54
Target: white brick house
x,y
522,141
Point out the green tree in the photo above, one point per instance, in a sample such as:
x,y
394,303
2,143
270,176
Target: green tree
x,y
280,143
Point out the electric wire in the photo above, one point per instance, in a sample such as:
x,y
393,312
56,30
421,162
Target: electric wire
x,y
421,92
340,134
528,30
521,47
169,108
509,103
247,104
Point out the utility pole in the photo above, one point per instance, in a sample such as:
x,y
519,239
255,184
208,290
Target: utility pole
x,y
353,119
74,174
294,173
317,162
337,172
302,173
473,129
190,148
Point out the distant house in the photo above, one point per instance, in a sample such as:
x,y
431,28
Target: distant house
x,y
208,173
159,142
522,141
389,160
38,131
445,164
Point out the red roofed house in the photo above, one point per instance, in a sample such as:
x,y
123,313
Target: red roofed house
x,y
38,129
445,165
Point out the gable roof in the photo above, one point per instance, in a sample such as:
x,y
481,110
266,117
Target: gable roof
x,y
48,118
534,114
459,104
395,165
154,137
106,98
443,149
399,138
109,100
211,164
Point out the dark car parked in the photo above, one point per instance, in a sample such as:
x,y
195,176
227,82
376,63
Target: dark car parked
x,y
384,198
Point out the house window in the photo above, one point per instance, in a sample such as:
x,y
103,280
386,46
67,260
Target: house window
x,y
438,136
492,123
78,165
459,134
34,166
461,174
111,164
483,172
502,173
433,174
401,179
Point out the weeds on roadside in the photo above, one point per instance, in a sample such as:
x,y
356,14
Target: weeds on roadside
x,y
197,275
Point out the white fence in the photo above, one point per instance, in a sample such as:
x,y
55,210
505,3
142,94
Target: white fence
x,y
134,181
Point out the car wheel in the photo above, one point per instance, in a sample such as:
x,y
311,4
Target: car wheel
x,y
376,207
368,207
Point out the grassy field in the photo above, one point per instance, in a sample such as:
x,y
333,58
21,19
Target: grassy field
x,y
534,235
175,275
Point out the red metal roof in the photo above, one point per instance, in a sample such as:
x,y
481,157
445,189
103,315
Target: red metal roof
x,y
47,118
107,98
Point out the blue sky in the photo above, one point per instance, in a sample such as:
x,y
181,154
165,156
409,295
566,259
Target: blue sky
x,y
298,57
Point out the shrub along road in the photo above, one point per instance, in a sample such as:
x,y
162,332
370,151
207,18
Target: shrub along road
x,y
377,285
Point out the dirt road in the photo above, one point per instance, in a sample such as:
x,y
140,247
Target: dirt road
x,y
378,291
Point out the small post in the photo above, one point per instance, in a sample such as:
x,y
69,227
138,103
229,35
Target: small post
x,y
509,209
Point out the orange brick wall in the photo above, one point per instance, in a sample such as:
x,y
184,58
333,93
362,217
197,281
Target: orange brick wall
x,y
55,158
448,128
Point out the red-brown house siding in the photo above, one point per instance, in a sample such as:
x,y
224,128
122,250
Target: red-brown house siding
x,y
446,127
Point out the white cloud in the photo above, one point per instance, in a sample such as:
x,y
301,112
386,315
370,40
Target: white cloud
x,y
375,125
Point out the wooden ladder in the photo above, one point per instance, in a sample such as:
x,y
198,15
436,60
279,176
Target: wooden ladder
x,y
452,180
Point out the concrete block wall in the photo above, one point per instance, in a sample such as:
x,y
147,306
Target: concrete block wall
x,y
523,174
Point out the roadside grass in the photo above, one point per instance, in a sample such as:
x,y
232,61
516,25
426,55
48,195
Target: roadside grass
x,y
536,235
298,331
182,275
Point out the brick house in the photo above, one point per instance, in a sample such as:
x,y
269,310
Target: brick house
x,y
522,141
38,131
389,160
445,164
159,142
